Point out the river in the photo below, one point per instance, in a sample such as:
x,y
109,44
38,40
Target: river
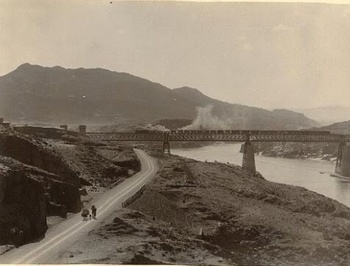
x,y
311,174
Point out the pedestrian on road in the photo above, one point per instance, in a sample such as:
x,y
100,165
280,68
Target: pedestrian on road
x,y
85,214
93,211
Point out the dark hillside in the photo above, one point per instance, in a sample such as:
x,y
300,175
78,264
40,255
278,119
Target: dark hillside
x,y
85,95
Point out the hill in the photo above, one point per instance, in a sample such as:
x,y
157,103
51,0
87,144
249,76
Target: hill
x,y
55,95
213,113
328,114
338,128
35,93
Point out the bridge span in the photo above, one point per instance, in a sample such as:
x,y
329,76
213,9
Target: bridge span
x,y
248,137
222,135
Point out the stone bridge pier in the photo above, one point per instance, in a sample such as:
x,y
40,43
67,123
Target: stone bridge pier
x,y
166,145
343,160
248,162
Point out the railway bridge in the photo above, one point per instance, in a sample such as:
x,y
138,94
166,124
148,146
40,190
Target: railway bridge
x,y
248,137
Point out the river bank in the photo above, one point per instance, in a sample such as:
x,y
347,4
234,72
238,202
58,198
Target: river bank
x,y
313,174
291,150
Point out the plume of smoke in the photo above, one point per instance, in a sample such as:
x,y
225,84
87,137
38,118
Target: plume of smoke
x,y
206,120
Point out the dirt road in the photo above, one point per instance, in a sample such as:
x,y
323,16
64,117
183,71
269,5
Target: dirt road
x,y
62,236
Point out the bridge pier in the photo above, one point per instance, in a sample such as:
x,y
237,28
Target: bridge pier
x,y
343,160
248,162
82,130
166,147
166,144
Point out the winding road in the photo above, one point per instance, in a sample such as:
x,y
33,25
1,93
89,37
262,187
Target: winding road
x,y
60,237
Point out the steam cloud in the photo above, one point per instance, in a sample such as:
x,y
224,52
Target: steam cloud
x,y
206,120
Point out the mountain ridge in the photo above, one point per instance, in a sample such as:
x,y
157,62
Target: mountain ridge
x,y
100,96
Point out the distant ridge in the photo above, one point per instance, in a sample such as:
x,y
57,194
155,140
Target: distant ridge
x,y
338,128
33,93
327,114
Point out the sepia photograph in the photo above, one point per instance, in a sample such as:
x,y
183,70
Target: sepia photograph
x,y
175,132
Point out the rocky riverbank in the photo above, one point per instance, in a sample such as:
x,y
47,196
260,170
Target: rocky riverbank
x,y
218,214
291,150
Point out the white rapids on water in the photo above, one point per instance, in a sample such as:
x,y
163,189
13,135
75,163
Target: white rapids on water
x,y
311,174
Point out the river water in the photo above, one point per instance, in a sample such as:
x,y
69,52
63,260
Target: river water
x,y
311,174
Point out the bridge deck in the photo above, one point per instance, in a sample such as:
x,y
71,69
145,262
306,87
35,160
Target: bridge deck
x,y
222,135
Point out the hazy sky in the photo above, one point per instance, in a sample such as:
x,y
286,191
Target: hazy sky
x,y
269,55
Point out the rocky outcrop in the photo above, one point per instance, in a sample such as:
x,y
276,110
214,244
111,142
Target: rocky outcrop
x,y
65,194
22,207
35,153
100,165
27,196
324,151
34,182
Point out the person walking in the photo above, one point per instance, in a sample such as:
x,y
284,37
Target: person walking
x,y
93,211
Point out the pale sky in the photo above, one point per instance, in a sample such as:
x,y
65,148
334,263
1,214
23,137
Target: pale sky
x,y
270,55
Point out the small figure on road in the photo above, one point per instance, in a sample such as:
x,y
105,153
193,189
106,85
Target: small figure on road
x,y
85,214
93,211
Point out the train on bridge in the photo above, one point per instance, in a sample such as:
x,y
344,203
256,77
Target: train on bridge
x,y
237,132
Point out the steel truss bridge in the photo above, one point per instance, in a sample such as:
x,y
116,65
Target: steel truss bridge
x,y
246,136
222,135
